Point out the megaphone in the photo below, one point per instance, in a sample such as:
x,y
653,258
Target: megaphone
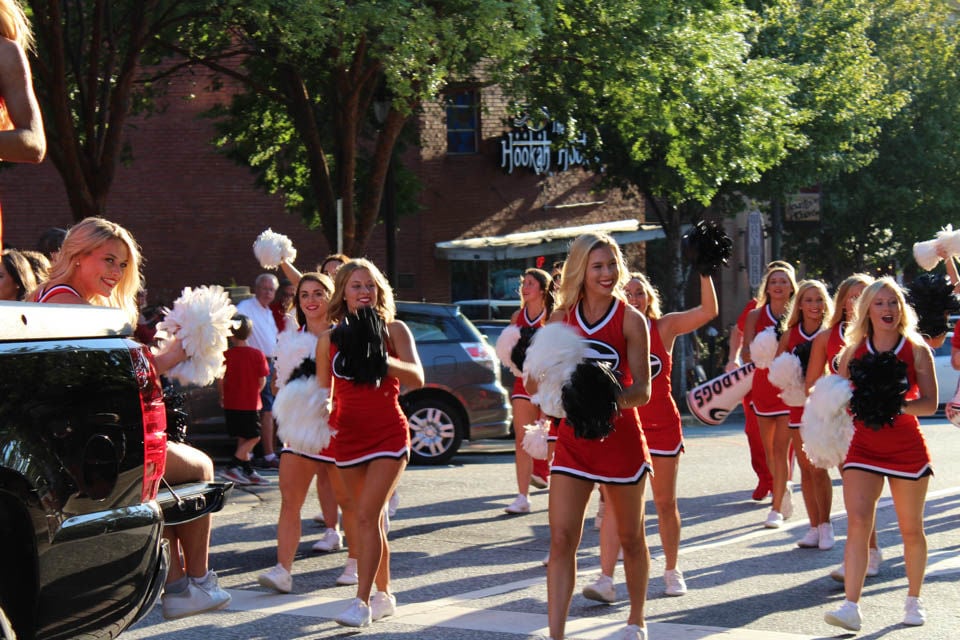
x,y
713,400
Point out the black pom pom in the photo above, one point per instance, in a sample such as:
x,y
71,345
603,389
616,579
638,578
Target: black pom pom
x,y
880,384
361,352
707,247
931,296
306,368
590,400
177,417
802,351
519,352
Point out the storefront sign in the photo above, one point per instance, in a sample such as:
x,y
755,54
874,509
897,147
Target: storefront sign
x,y
530,146
755,257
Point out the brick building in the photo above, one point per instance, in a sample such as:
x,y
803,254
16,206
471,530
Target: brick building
x,y
196,213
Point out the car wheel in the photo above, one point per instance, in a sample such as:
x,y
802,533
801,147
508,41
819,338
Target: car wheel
x,y
435,430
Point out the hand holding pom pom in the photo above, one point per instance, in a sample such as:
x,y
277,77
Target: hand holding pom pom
x,y
506,341
271,248
554,353
535,439
590,400
763,349
707,247
931,296
201,319
361,352
827,427
879,386
786,372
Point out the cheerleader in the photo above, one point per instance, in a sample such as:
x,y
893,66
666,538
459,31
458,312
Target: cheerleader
x,y
372,441
537,305
591,302
884,325
660,419
805,318
773,416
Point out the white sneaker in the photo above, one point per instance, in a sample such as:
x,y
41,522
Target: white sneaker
x,y
846,617
601,589
356,615
774,520
826,536
382,605
811,540
873,566
276,578
349,575
598,519
786,505
676,585
914,613
199,596
520,504
331,541
393,504
633,632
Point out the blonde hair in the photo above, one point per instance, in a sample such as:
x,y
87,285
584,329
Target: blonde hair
x,y
840,299
14,24
85,237
385,305
793,313
783,267
861,328
653,296
575,269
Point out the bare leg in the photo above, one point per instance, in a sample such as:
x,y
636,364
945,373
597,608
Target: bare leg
x,y
192,539
909,497
524,413
327,497
568,501
267,433
861,490
627,501
296,472
814,484
609,539
347,508
664,485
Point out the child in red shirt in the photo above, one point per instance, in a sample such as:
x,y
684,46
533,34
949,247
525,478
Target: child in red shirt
x,y
245,375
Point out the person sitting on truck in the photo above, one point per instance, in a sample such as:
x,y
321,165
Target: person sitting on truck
x,y
16,275
99,264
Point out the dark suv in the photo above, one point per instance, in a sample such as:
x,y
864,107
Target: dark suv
x,y
461,400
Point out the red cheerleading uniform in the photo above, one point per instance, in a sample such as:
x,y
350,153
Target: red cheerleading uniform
x,y
45,294
660,417
835,345
324,455
899,451
524,321
765,395
798,337
368,420
622,457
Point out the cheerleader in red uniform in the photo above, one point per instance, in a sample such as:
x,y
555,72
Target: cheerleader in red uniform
x,y
776,290
825,358
372,440
805,319
591,302
661,428
884,324
537,304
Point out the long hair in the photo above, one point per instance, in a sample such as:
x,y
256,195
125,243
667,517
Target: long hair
x,y
653,296
546,286
794,315
83,238
321,279
385,305
14,24
19,270
861,328
575,269
787,270
840,299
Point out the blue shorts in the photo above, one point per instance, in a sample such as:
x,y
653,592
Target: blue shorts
x,y
266,395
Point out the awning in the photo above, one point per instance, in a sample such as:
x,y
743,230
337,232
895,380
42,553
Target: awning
x,y
530,244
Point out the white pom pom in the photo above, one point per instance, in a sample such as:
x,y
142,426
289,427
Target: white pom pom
x,y
827,426
925,253
201,319
535,439
949,240
553,354
506,341
763,349
293,347
271,248
302,410
786,372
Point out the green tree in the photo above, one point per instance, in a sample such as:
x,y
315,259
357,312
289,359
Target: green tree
x,y
311,71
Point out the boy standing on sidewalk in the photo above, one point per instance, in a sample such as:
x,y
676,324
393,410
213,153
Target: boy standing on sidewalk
x,y
246,374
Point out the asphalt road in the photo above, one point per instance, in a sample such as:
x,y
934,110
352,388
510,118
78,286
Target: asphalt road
x,y
462,569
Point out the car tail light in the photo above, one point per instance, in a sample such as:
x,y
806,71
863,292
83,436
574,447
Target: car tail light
x,y
154,421
481,353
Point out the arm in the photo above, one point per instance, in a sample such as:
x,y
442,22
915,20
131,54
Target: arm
x,y
170,355
736,339
293,274
406,365
817,365
25,142
926,404
680,322
324,377
784,341
749,333
638,359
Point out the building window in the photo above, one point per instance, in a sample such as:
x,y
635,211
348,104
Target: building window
x,y
463,122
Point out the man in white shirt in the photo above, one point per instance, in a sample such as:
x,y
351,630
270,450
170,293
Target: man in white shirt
x,y
264,338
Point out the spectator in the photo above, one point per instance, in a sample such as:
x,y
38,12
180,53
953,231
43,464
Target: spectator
x,y
39,263
16,276
264,338
50,242
282,305
245,376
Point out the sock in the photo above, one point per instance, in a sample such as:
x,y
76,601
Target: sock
x,y
177,586
202,579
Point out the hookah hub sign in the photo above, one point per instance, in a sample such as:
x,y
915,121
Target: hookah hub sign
x,y
530,145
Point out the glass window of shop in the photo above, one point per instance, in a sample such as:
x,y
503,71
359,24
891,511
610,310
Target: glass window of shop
x,y
491,290
463,121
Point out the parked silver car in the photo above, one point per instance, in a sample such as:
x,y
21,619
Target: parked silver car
x,y
462,398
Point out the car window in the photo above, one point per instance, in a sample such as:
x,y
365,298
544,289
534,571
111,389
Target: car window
x,y
429,328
